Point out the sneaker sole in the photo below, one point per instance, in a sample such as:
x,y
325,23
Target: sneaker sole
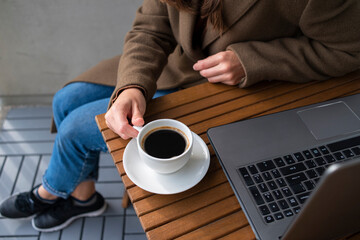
x,y
70,220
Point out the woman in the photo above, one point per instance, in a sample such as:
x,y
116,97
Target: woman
x,y
176,44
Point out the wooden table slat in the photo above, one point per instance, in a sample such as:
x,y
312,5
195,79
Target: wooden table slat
x,y
265,106
318,97
240,102
185,96
218,229
195,220
156,202
245,233
222,97
137,194
118,155
185,206
175,99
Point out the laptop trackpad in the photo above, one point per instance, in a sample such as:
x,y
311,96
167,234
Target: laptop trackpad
x,y
330,120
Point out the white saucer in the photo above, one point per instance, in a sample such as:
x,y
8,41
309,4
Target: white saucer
x,y
184,179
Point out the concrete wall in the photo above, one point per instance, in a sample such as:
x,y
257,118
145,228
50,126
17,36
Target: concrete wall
x,y
44,43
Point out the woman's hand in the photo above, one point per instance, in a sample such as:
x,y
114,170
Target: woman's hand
x,y
224,67
130,105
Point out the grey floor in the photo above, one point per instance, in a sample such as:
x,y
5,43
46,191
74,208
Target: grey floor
x,y
25,150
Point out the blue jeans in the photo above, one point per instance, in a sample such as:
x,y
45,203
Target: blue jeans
x,y
78,143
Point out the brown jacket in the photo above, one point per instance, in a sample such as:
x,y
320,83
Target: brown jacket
x,y
292,40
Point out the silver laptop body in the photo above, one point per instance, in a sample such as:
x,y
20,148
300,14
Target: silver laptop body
x,y
296,173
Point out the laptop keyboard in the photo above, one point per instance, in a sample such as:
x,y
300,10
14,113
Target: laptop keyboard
x,y
280,186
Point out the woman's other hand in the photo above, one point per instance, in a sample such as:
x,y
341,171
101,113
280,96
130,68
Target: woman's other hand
x,y
224,67
130,105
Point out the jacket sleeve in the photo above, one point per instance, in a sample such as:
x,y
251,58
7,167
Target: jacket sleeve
x,y
146,49
328,47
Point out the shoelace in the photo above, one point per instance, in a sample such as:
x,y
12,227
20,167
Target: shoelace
x,y
25,203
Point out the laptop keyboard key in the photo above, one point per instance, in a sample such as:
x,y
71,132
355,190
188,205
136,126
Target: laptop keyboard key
x,y
267,176
311,173
269,219
264,210
339,156
276,173
268,197
307,154
258,178
341,145
278,216
274,207
281,182
256,194
279,162
315,152
303,197
298,167
329,158
288,213
293,201
296,178
266,165
299,156
320,170
296,210
289,159
252,169
283,204
246,176
263,187
324,150
320,161
356,150
286,191
277,194
272,185
310,163
348,153
297,188
309,185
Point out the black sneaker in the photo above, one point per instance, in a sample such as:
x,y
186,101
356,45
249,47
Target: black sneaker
x,y
65,212
23,205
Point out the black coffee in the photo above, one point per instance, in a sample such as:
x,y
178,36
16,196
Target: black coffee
x,y
165,143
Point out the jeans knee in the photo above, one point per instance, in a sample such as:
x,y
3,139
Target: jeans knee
x,y
59,105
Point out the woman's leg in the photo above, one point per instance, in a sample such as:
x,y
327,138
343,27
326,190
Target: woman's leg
x,y
75,95
76,150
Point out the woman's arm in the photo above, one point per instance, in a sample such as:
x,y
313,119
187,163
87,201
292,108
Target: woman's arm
x,y
329,47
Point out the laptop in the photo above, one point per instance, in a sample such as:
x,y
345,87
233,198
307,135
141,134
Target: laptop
x,y
296,173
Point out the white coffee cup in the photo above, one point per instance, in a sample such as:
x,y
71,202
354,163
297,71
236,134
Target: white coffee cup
x,y
164,165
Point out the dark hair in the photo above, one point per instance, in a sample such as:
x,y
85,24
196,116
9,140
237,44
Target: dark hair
x,y
211,10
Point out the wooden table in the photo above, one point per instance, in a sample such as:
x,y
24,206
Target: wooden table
x,y
210,209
